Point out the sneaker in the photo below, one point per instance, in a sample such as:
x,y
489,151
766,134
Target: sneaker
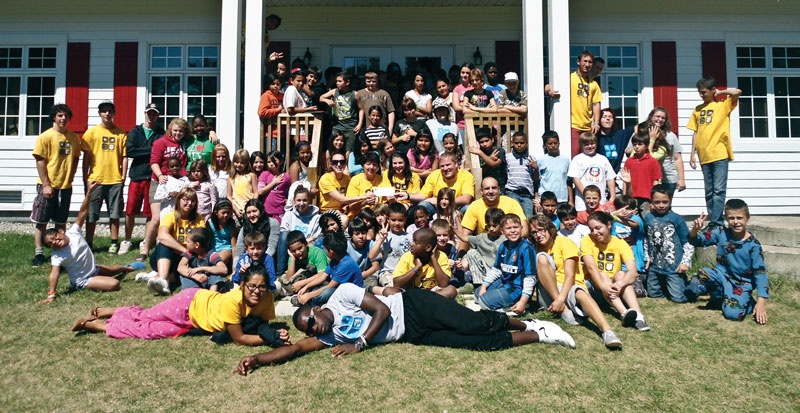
x,y
629,317
549,333
38,260
641,325
158,285
136,265
124,247
295,301
569,317
611,340
145,276
113,249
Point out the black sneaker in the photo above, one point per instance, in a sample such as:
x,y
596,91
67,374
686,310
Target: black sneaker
x,y
37,261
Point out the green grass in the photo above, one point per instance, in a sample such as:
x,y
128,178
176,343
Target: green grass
x,y
693,359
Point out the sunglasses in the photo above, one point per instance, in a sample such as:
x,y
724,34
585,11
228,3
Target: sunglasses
x,y
310,323
338,162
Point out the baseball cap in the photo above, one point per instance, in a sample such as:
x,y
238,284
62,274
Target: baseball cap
x,y
151,106
511,77
440,103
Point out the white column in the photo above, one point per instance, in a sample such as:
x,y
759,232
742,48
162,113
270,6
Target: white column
x,y
253,72
533,69
558,47
228,124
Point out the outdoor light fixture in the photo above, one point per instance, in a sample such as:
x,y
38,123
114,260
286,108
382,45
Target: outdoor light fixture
x,y
307,57
476,57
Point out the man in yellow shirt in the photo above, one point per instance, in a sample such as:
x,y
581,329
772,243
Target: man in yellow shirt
x,y
425,267
711,140
56,152
108,167
447,176
474,221
585,98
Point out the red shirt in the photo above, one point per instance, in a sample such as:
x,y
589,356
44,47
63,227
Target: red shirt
x,y
163,149
644,171
583,216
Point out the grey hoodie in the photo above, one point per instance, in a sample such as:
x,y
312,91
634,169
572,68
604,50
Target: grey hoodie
x,y
308,224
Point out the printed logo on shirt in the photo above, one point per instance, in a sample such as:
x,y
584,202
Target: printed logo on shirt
x,y
181,235
611,151
583,90
594,174
402,187
64,148
510,269
109,143
301,228
351,326
605,261
705,116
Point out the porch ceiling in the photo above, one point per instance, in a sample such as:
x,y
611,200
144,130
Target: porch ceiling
x,y
390,3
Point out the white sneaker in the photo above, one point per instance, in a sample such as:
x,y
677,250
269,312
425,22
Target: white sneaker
x,y
158,285
550,333
611,340
569,317
145,276
124,247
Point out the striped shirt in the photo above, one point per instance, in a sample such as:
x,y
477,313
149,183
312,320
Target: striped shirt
x,y
520,175
375,134
517,265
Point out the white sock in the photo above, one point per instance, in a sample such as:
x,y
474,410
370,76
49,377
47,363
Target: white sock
x,y
639,316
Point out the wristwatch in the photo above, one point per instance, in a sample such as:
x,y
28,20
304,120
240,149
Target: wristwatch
x,y
361,343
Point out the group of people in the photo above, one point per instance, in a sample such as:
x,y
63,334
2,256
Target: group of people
x,y
378,248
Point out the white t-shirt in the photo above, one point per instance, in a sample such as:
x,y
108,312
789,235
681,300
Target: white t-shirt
x,y
220,180
394,246
421,100
76,258
438,130
350,321
293,99
163,190
590,170
576,235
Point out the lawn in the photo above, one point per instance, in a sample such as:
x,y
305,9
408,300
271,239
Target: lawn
x,y
693,359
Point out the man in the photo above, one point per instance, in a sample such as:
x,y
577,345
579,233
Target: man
x,y
447,176
585,98
355,318
512,98
138,148
474,221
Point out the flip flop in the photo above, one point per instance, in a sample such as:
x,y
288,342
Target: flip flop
x,y
137,265
80,325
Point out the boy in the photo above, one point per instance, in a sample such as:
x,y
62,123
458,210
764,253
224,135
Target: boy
x,y
512,99
165,193
345,108
305,260
294,101
341,269
711,141
255,246
667,250
107,166
391,243
740,266
358,249
441,125
71,251
444,244
644,170
56,152
548,203
371,96
512,287
424,266
591,197
492,157
303,217
200,266
479,259
570,227
522,173
591,168
553,168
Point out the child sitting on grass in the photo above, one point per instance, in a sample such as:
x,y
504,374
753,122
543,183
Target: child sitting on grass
x,y
201,266
424,266
479,260
445,244
341,269
71,251
740,266
570,227
391,243
304,261
358,249
255,246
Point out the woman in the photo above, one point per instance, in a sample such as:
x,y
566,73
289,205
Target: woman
x,y
257,219
561,288
443,91
363,184
420,97
458,95
332,187
200,145
611,142
666,149
400,177
195,308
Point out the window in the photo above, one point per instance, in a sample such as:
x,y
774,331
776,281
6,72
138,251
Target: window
x,y
361,65
27,88
184,81
769,77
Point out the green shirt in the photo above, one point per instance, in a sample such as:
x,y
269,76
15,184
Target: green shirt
x,y
316,256
199,149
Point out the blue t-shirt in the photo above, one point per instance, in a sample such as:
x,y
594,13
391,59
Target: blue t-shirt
x,y
741,260
361,256
634,238
556,221
613,146
222,236
553,175
266,261
345,271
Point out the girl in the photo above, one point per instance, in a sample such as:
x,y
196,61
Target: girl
x,y
666,148
603,255
443,91
450,144
421,98
298,172
561,288
423,158
243,183
420,217
612,141
283,74
355,159
458,95
337,145
446,208
258,161
220,166
367,215
273,185
224,229
386,149
374,131
200,145
256,219
590,168
195,308
478,99
329,223
201,183
406,129
165,193
400,177
381,214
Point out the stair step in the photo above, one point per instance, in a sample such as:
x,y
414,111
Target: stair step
x,y
780,260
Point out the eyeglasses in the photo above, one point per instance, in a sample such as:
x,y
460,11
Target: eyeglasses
x,y
310,323
254,287
337,162
539,231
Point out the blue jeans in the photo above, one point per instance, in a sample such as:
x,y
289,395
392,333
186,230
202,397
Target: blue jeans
x,y
190,283
676,285
525,201
715,179
323,297
282,254
497,297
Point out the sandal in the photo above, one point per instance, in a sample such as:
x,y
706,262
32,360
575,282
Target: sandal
x,y
93,312
80,325
141,257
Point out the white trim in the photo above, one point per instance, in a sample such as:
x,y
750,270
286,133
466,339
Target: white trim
x,y
253,73
142,80
533,67
228,124
558,45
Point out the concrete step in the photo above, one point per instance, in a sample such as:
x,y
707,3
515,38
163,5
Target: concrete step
x,y
780,260
781,231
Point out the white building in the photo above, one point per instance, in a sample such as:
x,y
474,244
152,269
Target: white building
x,y
189,57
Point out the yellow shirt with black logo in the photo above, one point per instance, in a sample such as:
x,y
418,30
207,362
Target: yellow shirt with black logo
x,y
582,96
327,184
108,152
180,230
210,310
59,150
475,216
608,260
426,278
712,122
463,183
400,184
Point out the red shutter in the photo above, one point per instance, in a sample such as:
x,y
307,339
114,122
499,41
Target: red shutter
x,y
126,59
77,93
665,79
714,62
508,57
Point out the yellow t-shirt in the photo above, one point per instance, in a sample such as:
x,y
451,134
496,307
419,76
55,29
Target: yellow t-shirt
x,y
211,310
582,96
360,185
463,183
475,217
328,184
179,231
242,190
60,151
712,122
400,184
563,248
426,278
108,150
610,259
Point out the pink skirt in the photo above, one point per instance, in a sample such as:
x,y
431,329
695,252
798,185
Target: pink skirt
x,y
166,319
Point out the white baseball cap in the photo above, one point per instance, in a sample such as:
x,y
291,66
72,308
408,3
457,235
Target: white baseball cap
x,y
511,77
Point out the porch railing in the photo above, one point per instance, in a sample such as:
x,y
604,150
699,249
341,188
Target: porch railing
x,y
504,124
308,125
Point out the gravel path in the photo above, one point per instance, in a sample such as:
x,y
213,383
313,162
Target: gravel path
x,y
102,230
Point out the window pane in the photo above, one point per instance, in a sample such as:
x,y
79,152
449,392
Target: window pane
x,y
12,126
794,107
760,128
615,85
210,85
760,106
159,52
194,85
795,128
782,128
746,127
781,107
33,106
48,85
745,107
194,106
173,106
210,106
32,126
34,86
631,86
12,106
781,86
794,86
157,85
173,85
760,86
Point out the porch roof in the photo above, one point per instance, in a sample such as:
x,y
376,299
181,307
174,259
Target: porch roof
x,y
390,3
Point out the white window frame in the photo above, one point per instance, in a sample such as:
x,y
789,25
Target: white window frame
x,y
24,73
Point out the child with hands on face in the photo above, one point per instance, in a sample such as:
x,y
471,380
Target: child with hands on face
x,y
255,251
424,266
